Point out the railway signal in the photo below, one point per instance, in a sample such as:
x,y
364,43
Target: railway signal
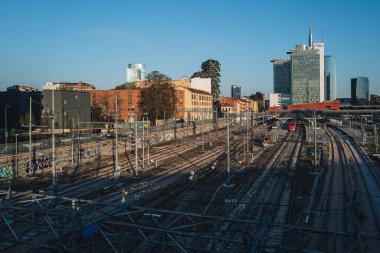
x,y
133,143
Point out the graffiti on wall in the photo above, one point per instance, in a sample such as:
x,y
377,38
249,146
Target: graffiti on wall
x,y
6,171
89,154
44,162
38,164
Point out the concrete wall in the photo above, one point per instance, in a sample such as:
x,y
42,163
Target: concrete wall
x,y
66,158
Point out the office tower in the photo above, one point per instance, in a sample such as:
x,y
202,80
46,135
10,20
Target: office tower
x,y
281,76
330,78
235,91
135,72
360,91
307,74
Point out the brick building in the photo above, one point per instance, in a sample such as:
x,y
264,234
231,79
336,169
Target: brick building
x,y
103,104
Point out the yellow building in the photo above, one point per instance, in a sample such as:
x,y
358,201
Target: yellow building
x,y
197,104
192,104
255,106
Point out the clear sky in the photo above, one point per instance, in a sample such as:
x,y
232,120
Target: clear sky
x,y
93,41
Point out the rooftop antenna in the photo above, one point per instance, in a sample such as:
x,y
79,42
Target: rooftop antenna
x,y
322,37
310,34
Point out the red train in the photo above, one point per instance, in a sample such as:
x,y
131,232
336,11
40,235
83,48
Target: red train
x,y
292,127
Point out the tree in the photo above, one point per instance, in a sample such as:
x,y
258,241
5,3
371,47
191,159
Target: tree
x,y
211,69
126,86
158,96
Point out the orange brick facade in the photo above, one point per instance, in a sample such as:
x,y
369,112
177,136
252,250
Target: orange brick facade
x,y
128,102
328,105
190,103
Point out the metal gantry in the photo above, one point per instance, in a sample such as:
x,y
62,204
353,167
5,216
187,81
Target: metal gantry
x,y
31,222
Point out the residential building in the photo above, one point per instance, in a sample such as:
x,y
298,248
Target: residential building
x,y
16,100
197,104
135,72
231,105
79,86
103,105
281,76
235,91
199,83
330,78
274,99
247,104
21,88
260,98
360,91
183,82
69,106
255,106
191,104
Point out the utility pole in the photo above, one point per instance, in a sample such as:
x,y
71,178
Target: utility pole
x,y
79,155
136,154
364,136
246,128
263,118
143,143
72,142
315,141
164,126
203,145
245,143
117,167
252,128
6,128
175,125
228,150
16,157
30,134
376,137
54,177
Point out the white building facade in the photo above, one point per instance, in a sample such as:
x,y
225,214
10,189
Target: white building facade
x,y
135,72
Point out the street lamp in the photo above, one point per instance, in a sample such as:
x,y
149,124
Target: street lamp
x,y
6,128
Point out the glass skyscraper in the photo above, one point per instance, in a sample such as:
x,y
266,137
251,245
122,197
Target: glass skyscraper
x,y
330,78
360,91
281,76
135,72
307,83
235,91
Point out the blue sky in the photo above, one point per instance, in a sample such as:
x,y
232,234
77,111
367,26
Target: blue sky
x,y
93,41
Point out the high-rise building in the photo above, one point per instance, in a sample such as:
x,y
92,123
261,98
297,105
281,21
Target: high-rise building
x,y
301,79
135,72
281,76
235,91
307,74
360,91
330,78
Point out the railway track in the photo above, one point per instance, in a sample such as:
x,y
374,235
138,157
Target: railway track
x,y
362,191
145,187
254,194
